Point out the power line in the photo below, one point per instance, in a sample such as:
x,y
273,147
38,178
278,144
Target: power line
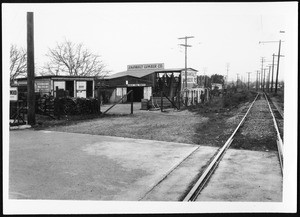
x,y
276,82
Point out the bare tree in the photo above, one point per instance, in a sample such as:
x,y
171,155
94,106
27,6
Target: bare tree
x,y
18,62
73,59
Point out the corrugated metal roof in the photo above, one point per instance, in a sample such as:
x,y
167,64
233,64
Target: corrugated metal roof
x,y
144,72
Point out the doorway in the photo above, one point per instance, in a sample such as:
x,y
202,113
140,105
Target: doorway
x,y
70,88
138,93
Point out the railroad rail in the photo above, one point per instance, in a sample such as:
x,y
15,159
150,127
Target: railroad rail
x,y
279,139
196,189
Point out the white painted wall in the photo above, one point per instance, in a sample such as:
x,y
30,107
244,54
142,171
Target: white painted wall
x,y
147,92
81,89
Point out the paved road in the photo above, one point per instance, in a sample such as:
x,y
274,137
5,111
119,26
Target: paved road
x,y
58,165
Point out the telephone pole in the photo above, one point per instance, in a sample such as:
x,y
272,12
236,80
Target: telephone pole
x,y
264,81
257,79
227,69
272,73
276,83
186,46
30,70
237,79
248,78
268,81
204,71
262,68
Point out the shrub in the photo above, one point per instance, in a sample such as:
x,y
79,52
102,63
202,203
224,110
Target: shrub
x,y
75,106
232,99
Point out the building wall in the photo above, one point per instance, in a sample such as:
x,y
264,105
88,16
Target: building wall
x,y
48,85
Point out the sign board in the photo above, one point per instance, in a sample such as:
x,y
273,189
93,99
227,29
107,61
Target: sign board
x,y
145,66
13,94
81,85
136,85
42,86
60,85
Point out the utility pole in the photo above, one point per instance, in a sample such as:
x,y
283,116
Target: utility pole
x,y
264,81
276,83
185,65
237,79
30,70
204,71
248,78
272,72
227,69
257,79
262,68
277,59
186,46
268,78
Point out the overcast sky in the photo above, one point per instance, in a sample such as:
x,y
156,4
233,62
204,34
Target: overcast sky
x,y
131,33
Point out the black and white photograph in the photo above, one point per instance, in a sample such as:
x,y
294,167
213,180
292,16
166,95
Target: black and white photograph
x,y
147,108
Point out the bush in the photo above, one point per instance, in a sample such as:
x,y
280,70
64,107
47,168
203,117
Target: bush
x,y
232,99
75,106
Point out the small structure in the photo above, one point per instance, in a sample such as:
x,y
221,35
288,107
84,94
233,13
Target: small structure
x,y
77,86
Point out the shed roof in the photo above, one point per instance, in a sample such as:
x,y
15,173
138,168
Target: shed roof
x,y
56,76
144,72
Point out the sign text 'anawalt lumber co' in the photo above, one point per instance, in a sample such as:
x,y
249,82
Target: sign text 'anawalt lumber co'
x,y
146,66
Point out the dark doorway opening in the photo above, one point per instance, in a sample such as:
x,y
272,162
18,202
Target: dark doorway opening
x,y
138,93
70,88
89,89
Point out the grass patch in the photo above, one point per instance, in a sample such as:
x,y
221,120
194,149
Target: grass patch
x,y
203,124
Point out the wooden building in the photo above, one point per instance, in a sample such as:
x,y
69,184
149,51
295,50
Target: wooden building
x,y
146,80
77,86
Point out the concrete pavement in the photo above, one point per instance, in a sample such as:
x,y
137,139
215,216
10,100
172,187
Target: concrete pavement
x,y
70,166
245,176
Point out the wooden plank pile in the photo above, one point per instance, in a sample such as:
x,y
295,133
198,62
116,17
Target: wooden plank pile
x,y
50,106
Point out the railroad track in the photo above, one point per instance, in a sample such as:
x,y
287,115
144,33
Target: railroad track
x,y
210,169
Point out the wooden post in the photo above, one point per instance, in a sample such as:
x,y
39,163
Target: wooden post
x,y
178,99
131,96
161,101
30,70
18,111
186,97
99,100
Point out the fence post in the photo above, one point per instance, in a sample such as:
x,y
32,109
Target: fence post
x,y
131,96
161,101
